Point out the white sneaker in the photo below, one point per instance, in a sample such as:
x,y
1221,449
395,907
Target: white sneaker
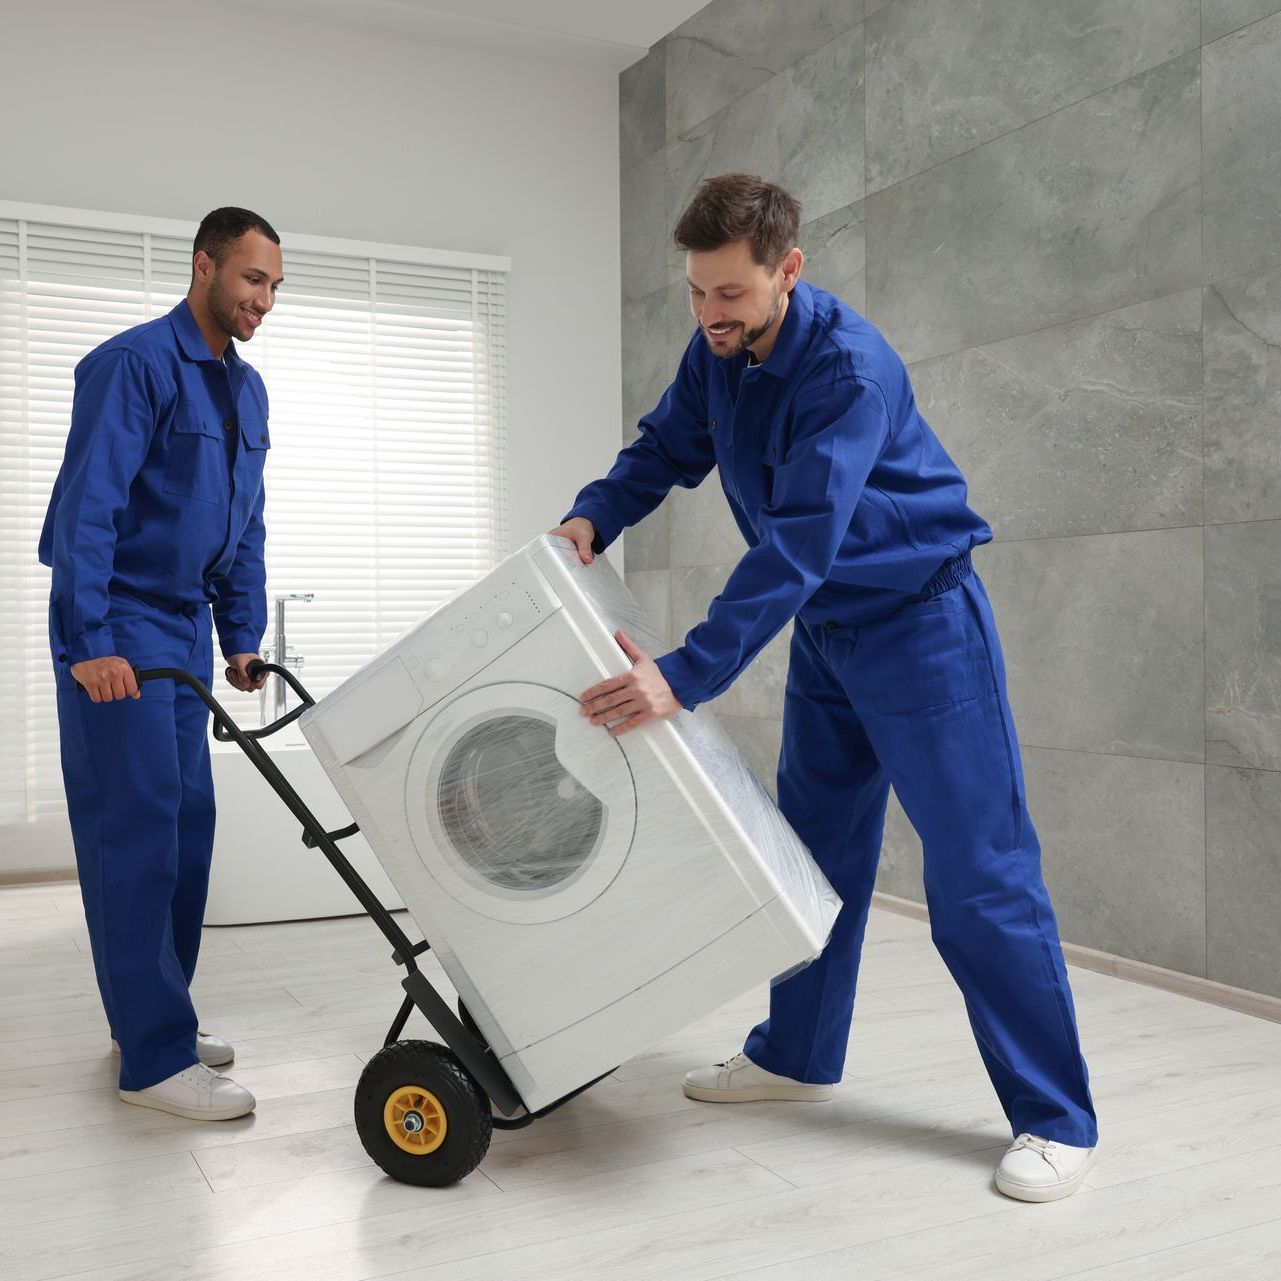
x,y
212,1051
1035,1169
198,1093
740,1081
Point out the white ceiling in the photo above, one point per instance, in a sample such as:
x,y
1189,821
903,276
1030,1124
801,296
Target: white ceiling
x,y
602,32
614,21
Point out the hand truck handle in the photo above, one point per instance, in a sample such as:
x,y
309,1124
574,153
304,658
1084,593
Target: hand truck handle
x,y
224,728
227,730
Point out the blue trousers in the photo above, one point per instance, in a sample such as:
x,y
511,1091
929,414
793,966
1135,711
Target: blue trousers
x,y
141,804
918,701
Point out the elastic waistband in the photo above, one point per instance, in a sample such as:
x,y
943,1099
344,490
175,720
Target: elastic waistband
x,y
952,573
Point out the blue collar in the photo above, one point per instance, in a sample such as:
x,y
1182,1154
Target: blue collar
x,y
192,341
793,335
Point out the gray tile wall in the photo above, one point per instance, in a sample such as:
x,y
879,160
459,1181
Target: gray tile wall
x,y
1066,219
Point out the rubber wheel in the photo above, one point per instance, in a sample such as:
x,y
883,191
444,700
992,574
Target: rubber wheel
x,y
420,1116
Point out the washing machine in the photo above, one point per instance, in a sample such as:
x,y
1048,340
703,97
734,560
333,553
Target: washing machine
x,y
587,896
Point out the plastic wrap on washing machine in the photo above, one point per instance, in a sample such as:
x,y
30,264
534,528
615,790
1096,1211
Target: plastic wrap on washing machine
x,y
520,820
775,841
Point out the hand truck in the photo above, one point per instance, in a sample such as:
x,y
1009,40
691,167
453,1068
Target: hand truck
x,y
424,1111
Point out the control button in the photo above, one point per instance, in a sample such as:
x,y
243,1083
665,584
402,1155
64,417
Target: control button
x,y
504,619
434,668
480,637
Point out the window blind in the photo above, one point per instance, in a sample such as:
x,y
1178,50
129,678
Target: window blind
x,y
385,369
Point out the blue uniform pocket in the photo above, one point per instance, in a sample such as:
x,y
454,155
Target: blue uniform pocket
x,y
254,435
197,462
928,654
254,443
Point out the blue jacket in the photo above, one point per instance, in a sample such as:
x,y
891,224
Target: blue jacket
x,y
847,500
160,494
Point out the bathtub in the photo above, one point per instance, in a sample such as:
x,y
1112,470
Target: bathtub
x,y
261,869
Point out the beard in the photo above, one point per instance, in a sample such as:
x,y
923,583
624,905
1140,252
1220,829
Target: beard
x,y
225,310
749,336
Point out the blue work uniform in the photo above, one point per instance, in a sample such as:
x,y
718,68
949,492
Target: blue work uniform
x,y
156,514
857,527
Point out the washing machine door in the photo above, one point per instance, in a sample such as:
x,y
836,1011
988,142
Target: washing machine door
x,y
519,807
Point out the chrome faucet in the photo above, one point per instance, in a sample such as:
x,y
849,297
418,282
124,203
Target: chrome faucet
x,y
275,693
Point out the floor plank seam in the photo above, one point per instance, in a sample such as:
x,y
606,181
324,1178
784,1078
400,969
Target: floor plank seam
x,y
748,1157
196,1162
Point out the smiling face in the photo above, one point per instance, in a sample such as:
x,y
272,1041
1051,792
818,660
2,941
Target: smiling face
x,y
231,298
738,302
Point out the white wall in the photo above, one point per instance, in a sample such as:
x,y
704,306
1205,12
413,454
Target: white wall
x,y
171,109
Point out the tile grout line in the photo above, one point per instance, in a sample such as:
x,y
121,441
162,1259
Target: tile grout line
x,y
1124,756
863,197
1205,592
1009,133
1054,324
868,191
1236,31
668,139
1150,529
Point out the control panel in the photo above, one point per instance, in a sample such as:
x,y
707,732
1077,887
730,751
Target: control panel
x,y
463,637
435,658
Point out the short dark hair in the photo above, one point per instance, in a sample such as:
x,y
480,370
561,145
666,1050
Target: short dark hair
x,y
221,229
741,206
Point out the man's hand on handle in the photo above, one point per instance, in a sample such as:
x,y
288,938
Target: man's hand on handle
x,y
106,679
582,533
633,699
238,676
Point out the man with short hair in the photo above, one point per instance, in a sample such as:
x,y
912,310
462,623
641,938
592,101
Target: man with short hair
x,y
858,531
156,514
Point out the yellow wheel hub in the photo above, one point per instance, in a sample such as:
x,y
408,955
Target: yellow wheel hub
x,y
415,1120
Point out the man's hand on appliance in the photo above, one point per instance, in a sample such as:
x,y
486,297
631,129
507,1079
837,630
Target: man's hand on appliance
x,y
626,702
582,533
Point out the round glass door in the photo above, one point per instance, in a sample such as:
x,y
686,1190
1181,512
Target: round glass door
x,y
511,810
519,807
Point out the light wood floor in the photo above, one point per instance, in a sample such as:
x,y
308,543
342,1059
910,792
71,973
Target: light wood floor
x,y
891,1179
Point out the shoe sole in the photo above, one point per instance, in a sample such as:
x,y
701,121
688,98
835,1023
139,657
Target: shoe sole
x,y
759,1094
1040,1195
138,1099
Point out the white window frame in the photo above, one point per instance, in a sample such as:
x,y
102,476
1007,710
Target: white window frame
x,y
28,704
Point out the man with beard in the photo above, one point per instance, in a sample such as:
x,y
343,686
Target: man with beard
x,y
858,530
156,514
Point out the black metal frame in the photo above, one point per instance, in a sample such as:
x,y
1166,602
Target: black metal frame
x,y
475,1055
